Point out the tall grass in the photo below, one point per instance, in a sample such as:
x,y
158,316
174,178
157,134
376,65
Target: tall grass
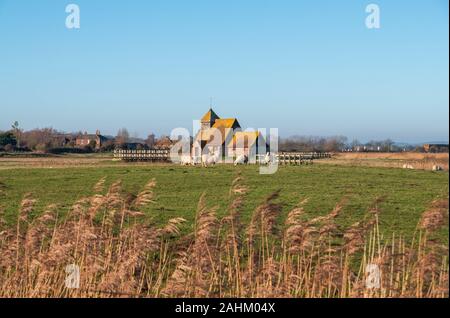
x,y
122,254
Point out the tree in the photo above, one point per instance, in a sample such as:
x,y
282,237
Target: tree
x,y
8,138
108,146
9,148
92,145
150,141
311,143
387,145
40,138
43,147
336,143
122,136
355,144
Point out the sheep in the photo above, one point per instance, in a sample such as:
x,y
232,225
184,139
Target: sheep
x,y
212,160
267,159
186,160
240,160
196,160
208,160
437,168
407,166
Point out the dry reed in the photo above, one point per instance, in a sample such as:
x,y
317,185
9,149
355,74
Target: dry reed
x,y
122,254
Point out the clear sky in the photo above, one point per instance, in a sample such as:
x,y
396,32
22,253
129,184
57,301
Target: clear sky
x,y
306,67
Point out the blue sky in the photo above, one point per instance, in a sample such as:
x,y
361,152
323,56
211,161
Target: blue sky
x,y
305,67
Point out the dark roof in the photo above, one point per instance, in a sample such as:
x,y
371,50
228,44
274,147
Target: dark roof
x,y
94,136
210,116
90,136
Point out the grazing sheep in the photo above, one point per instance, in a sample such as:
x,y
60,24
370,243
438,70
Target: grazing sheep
x,y
407,166
208,160
267,159
437,168
213,159
240,160
196,160
186,160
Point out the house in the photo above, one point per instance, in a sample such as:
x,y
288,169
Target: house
x,y
96,140
224,135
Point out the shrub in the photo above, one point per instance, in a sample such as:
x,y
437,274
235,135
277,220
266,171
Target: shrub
x,y
9,148
7,138
43,147
57,151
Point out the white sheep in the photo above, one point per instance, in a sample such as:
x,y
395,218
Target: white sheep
x,y
267,159
212,160
240,160
407,166
186,160
208,160
196,160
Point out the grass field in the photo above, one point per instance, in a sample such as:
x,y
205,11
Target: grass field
x,y
405,194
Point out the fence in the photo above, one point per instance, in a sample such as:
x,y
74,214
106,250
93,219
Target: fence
x,y
163,155
142,155
294,158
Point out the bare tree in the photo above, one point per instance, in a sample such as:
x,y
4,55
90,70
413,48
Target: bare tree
x,y
313,144
122,136
40,138
150,141
387,145
355,144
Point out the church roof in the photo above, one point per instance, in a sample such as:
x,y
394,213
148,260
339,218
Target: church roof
x,y
244,139
224,123
224,126
210,116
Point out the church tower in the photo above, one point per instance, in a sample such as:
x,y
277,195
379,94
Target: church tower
x,y
209,119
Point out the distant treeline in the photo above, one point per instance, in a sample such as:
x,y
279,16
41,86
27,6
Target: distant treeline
x,y
48,140
340,144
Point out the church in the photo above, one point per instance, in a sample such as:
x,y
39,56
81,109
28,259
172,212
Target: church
x,y
225,136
